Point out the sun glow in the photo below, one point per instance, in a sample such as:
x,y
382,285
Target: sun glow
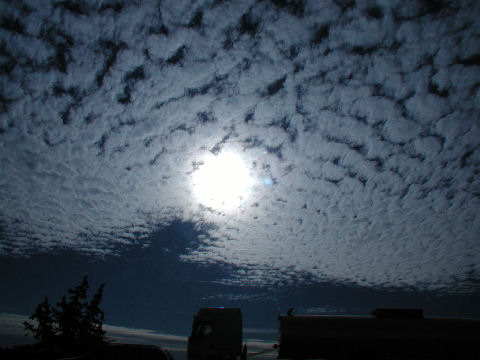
x,y
222,181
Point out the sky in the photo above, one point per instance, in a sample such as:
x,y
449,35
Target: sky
x,y
258,154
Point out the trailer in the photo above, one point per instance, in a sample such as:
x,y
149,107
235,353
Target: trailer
x,y
387,334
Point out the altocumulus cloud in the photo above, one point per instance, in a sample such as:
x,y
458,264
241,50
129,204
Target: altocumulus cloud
x,y
358,121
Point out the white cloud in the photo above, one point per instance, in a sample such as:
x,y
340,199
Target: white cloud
x,y
369,144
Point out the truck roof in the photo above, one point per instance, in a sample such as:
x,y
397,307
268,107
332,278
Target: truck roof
x,y
219,309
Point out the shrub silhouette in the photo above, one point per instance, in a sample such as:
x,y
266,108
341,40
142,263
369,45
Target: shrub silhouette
x,y
75,324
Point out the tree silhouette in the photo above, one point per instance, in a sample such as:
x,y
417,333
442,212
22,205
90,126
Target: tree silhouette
x,y
45,329
91,326
74,324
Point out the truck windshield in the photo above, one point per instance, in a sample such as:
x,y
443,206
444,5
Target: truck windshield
x,y
203,329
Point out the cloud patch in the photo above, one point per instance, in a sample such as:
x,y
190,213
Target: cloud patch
x,y
357,122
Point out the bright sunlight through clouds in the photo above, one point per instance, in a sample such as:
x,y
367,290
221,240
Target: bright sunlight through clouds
x,y
222,182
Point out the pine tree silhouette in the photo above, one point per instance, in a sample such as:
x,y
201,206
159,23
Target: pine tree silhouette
x,y
73,325
45,329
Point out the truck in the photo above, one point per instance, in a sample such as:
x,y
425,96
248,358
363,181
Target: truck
x,y
216,334
385,334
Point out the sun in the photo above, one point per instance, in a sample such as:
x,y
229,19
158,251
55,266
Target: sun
x,y
222,182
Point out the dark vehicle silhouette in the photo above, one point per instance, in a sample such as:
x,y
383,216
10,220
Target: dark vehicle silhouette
x,y
216,334
387,334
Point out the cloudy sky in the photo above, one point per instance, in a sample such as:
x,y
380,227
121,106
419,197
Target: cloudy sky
x,y
323,154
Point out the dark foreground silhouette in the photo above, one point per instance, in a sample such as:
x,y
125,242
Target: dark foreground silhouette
x,y
107,351
73,329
